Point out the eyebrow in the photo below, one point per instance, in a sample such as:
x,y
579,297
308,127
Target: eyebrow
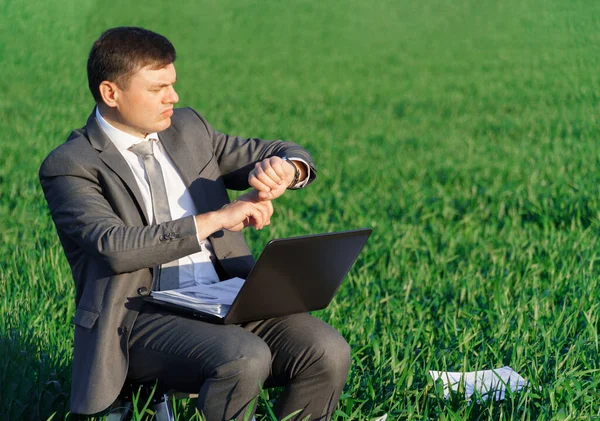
x,y
162,84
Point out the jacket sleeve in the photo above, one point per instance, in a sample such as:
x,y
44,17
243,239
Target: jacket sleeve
x,y
236,155
82,215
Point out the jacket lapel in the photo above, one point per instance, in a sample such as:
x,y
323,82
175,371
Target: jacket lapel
x,y
114,160
188,164
183,158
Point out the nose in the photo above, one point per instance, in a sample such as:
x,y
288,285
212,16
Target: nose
x,y
172,97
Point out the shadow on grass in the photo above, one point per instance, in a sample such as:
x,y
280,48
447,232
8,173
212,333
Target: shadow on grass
x,y
35,384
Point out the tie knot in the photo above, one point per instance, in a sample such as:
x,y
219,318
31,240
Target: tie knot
x,y
142,149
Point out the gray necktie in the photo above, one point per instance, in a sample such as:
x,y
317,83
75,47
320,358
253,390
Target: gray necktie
x,y
168,276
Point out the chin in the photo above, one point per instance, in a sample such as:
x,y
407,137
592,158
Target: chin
x,y
163,125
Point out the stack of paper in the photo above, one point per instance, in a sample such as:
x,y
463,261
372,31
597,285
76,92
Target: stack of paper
x,y
215,299
486,383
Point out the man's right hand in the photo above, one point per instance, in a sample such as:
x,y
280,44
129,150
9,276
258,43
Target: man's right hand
x,y
246,211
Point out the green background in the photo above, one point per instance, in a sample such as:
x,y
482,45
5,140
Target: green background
x,y
464,132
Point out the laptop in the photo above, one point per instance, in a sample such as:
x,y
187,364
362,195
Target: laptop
x,y
292,275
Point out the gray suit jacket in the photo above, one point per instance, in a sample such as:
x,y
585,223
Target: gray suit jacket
x,y
102,224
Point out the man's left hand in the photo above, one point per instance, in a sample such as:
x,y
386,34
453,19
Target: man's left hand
x,y
271,177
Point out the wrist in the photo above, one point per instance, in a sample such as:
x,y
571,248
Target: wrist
x,y
209,223
296,172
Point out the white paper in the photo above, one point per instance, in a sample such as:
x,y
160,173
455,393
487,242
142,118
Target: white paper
x,y
217,293
485,383
383,418
215,299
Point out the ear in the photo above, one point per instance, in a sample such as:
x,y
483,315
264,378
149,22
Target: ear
x,y
109,91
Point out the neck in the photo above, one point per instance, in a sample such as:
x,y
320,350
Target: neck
x,y
113,117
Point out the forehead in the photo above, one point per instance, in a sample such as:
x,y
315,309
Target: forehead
x,y
148,75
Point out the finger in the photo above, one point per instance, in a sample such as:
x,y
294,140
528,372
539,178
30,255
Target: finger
x,y
269,206
264,177
263,196
270,211
264,212
274,194
239,212
255,182
269,167
254,216
282,168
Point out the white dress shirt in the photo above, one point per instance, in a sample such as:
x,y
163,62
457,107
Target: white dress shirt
x,y
196,268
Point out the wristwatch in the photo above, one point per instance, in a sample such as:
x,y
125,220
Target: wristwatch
x,y
296,173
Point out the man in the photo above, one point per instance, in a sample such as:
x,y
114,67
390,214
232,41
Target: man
x,y
138,197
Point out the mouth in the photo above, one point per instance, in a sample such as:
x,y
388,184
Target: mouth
x,y
167,113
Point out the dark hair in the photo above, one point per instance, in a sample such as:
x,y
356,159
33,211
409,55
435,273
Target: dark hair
x,y
120,52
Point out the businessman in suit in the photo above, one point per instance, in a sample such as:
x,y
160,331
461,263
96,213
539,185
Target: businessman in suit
x,y
138,198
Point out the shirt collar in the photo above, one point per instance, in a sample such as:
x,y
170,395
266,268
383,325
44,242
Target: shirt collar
x,y
123,141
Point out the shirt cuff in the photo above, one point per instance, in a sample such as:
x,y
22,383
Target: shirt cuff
x,y
200,242
302,183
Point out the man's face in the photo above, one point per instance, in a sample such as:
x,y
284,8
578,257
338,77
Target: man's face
x,y
146,105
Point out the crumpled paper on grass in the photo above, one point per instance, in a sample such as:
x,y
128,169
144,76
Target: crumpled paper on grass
x,y
484,383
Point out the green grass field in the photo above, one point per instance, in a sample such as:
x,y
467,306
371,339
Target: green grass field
x,y
464,132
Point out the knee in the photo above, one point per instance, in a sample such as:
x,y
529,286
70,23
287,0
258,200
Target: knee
x,y
335,360
328,357
252,364
256,363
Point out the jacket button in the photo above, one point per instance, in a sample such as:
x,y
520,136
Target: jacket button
x,y
122,330
142,290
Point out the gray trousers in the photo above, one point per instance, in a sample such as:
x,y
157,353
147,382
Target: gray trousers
x,y
228,365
